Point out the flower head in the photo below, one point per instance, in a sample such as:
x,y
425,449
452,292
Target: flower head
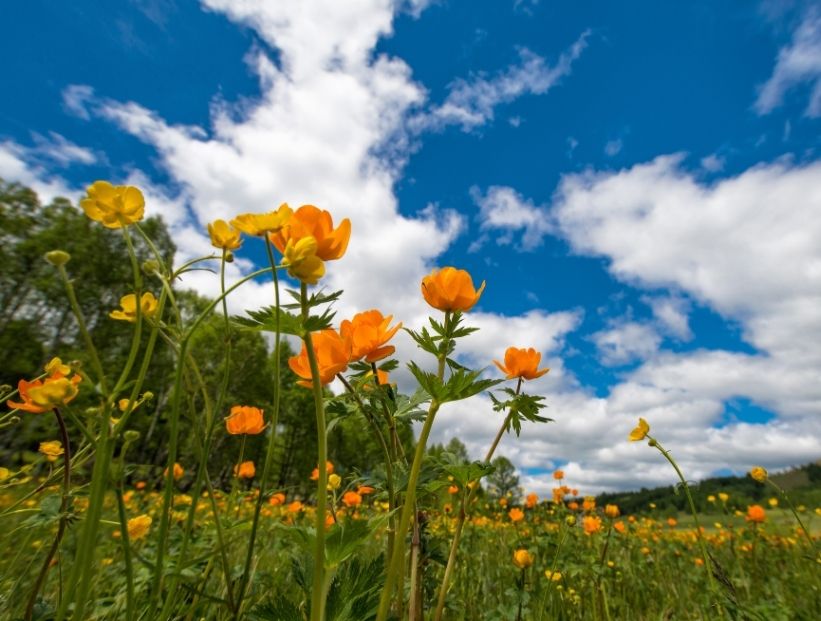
x,y
55,365
756,514
224,236
115,206
759,474
138,527
51,449
612,511
450,289
532,500
310,221
351,499
277,499
258,224
368,332
178,471
516,515
245,419
329,469
332,355
302,261
522,558
42,395
558,475
591,524
245,470
128,307
522,363
640,432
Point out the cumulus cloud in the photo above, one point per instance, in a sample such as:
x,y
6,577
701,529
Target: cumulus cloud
x,y
797,63
504,210
626,342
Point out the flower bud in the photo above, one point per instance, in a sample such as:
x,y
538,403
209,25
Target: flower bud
x,y
151,266
652,443
148,395
131,435
570,520
229,256
5,388
58,257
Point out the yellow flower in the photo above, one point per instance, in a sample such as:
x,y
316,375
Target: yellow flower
x,y
759,474
53,392
5,473
138,527
723,497
773,502
555,576
711,498
128,307
51,449
334,481
611,511
301,260
224,236
640,432
522,558
263,223
113,206
55,365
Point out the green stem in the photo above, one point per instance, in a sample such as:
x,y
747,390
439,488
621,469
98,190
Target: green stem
x,y
269,454
317,599
794,512
129,568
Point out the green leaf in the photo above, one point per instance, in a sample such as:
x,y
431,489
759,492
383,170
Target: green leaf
x,y
264,320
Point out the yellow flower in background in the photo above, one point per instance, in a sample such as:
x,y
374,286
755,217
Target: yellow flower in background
x,y
5,473
640,432
773,502
138,527
51,449
522,558
128,307
554,576
55,365
612,511
263,223
54,392
302,262
334,482
114,206
759,474
723,497
224,236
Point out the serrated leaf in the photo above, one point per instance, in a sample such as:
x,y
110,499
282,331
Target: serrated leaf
x,y
264,320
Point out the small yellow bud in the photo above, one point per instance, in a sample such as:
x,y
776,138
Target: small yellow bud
x,y
58,257
151,266
759,474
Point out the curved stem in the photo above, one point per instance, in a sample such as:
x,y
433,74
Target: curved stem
x,y
41,577
794,512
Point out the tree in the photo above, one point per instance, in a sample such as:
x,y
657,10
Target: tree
x,y
504,482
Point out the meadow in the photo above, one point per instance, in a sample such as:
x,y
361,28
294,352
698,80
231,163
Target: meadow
x,y
111,519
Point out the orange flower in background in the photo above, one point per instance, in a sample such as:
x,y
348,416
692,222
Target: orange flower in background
x,y
532,500
329,469
114,206
516,515
756,514
368,332
558,475
589,503
263,223
591,524
612,511
619,527
295,507
573,506
453,489
450,289
245,419
521,363
40,396
277,499
224,236
364,490
179,471
246,470
522,558
332,355
672,522
310,221
351,499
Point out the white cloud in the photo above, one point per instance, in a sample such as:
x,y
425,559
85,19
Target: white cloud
x,y
671,314
613,147
713,163
503,209
626,342
14,166
471,103
797,63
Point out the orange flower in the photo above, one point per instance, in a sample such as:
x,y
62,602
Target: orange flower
x,y
521,363
532,500
591,524
364,490
310,221
522,559
516,515
368,332
351,499
40,396
277,499
245,419
589,503
558,475
332,355
672,522
329,468
756,514
573,506
179,471
453,489
619,527
246,470
611,511
450,289
294,507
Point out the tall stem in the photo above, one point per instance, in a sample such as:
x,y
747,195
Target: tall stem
x,y
269,454
41,577
317,591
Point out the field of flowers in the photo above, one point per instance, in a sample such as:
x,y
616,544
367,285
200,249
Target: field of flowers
x,y
87,534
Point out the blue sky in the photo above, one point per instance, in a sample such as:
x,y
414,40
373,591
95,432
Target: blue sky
x,y
639,183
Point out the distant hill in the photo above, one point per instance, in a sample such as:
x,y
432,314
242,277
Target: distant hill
x,y
803,484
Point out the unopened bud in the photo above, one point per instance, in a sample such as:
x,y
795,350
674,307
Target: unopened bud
x,y
148,395
570,520
58,257
151,266
229,256
131,435
652,443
